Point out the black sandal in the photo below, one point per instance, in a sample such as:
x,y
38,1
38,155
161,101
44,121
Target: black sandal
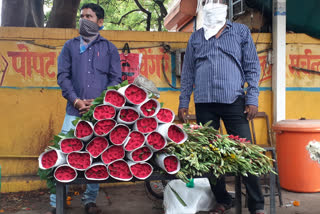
x,y
91,208
53,211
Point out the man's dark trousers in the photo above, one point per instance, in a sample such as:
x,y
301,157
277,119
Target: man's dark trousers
x,y
235,121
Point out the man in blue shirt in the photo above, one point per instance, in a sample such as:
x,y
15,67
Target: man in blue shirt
x,y
87,65
220,58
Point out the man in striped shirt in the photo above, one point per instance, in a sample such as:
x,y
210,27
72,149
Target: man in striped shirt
x,y
220,58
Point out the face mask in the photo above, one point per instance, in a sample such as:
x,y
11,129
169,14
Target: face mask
x,y
88,29
214,18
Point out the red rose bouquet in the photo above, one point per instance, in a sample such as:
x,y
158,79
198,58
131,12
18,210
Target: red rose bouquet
x,y
83,130
114,98
165,116
169,163
79,160
136,140
112,153
176,134
97,171
101,112
142,154
51,158
134,94
173,132
119,134
150,108
96,146
140,170
127,115
103,127
68,145
146,125
119,170
156,141
65,173
48,159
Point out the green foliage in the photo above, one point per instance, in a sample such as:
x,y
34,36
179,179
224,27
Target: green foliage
x,y
126,15
206,151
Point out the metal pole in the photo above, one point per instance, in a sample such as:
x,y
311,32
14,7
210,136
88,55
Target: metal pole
x,y
279,66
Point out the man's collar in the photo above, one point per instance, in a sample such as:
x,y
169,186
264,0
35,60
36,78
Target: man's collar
x,y
229,24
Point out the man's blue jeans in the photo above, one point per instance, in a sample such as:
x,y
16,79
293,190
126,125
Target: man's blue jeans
x,y
92,190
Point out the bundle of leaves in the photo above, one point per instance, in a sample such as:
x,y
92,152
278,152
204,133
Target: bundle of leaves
x,y
206,152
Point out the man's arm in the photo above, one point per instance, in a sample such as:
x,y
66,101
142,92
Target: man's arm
x,y
64,74
251,68
187,81
114,73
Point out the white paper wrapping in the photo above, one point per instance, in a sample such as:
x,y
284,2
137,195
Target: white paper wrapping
x,y
131,163
65,181
112,117
81,152
96,179
163,129
120,179
117,107
122,90
159,158
86,138
119,120
61,158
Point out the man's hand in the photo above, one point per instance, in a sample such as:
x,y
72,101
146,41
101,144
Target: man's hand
x,y
183,114
251,111
83,106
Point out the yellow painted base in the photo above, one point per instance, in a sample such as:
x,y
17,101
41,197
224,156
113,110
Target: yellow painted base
x,y
21,183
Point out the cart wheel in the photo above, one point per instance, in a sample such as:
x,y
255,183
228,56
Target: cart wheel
x,y
156,188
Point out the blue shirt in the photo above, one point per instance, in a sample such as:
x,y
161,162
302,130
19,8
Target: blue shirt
x,y
218,68
85,75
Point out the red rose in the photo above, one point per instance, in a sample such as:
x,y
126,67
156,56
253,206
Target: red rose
x,y
128,115
141,154
156,140
120,169
79,160
103,127
49,159
171,163
135,94
175,134
141,170
112,153
136,140
165,115
71,145
149,108
83,129
97,172
115,98
119,134
146,125
104,112
97,146
65,173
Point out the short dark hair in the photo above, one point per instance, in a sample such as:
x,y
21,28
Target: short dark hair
x,y
95,8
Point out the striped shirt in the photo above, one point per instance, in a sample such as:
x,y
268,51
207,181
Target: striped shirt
x,y
217,69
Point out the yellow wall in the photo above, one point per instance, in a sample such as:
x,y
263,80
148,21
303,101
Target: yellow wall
x,y
32,108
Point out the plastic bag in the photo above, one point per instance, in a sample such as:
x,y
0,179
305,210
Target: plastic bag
x,y
198,198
